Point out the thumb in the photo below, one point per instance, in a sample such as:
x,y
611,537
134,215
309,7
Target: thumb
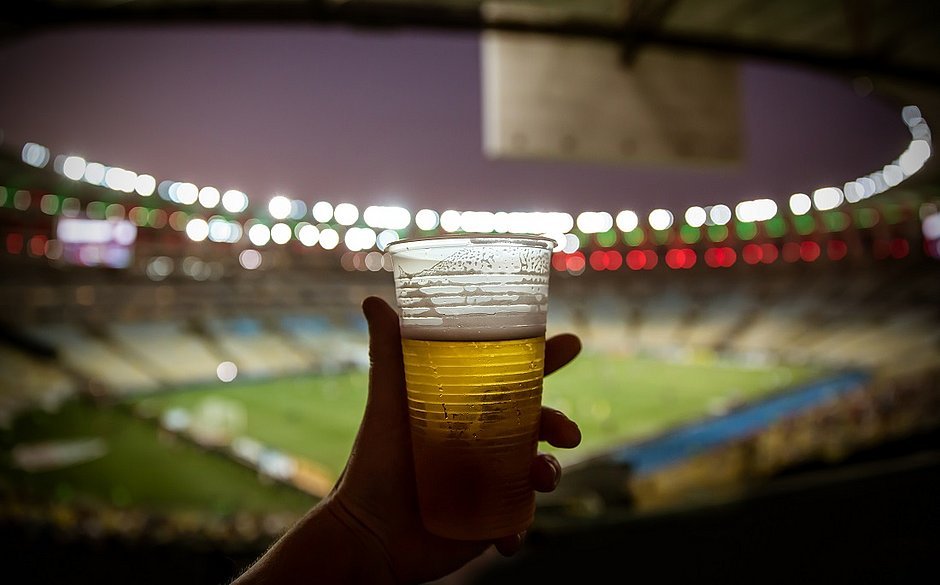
x,y
386,371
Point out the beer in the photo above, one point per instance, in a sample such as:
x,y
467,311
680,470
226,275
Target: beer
x,y
474,408
473,313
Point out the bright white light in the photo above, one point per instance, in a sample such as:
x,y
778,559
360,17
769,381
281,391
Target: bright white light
x,y
359,239
187,193
660,219
74,167
322,211
868,187
893,175
719,214
226,371
259,234
209,197
298,209
477,221
595,222
197,229
346,214
911,115
35,155
913,159
827,198
220,230
427,219
308,235
572,243
329,238
280,233
249,259
853,191
755,210
800,203
94,173
392,218
627,220
931,227
279,207
450,220
120,179
385,238
696,216
145,185
234,201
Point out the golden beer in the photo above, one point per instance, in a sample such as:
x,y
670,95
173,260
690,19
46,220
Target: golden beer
x,y
473,313
475,409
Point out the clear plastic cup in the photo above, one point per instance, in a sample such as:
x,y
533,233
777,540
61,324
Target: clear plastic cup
x,y
473,312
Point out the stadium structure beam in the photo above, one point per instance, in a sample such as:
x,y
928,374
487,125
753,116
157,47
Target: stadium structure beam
x,y
34,17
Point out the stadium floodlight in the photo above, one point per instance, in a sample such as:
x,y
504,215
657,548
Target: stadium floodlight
x,y
627,220
696,216
329,238
827,198
661,219
209,197
279,207
800,203
234,201
74,167
383,217
346,214
595,222
427,219
145,184
259,234
322,211
197,229
280,233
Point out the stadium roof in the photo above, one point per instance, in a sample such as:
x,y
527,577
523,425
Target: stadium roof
x,y
895,40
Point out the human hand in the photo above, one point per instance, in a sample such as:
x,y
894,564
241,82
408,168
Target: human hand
x,y
376,495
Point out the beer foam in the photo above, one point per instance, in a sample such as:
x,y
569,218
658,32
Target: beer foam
x,y
472,288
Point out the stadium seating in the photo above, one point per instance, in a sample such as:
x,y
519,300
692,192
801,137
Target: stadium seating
x,y
93,358
255,350
173,354
28,382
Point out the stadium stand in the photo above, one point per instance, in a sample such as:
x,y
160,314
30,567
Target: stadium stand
x,y
28,383
256,351
92,358
168,351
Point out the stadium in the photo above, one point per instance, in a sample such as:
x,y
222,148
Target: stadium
x,y
185,365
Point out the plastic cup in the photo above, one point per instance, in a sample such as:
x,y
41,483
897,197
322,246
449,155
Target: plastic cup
x,y
473,312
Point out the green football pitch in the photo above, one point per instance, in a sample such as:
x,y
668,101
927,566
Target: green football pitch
x,y
613,399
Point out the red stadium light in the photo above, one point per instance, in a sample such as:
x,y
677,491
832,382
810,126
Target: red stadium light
x,y
575,263
770,253
680,258
37,245
636,259
723,257
791,252
559,261
752,253
899,248
836,249
614,260
809,251
598,260
651,259
14,243
675,258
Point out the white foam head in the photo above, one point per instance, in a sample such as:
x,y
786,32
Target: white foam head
x,y
472,287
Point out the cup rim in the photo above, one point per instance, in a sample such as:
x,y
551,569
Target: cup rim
x,y
440,241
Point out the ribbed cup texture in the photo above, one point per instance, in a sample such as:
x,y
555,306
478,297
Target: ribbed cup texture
x,y
475,408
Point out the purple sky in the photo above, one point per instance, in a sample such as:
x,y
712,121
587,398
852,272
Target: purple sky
x,y
390,119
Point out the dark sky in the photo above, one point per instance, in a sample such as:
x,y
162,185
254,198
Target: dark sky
x,y
329,113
